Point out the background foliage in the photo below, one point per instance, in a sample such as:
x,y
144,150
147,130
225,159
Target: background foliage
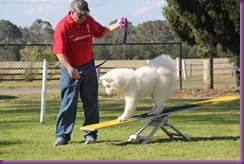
x,y
205,27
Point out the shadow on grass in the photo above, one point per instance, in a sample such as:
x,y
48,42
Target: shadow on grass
x,y
156,140
193,139
96,142
7,97
8,143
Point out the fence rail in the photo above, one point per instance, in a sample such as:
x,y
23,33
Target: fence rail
x,y
16,71
25,77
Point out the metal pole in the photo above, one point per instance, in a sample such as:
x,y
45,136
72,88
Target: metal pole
x,y
44,83
180,66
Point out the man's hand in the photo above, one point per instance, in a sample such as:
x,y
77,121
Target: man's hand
x,y
74,73
118,25
122,22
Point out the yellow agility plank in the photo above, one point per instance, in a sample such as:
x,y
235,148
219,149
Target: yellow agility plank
x,y
165,112
106,124
218,100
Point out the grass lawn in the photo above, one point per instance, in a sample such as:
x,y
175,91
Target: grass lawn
x,y
214,133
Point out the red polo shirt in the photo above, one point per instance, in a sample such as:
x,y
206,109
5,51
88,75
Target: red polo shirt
x,y
76,41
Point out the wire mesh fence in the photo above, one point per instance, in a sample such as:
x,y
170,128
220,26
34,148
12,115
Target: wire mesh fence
x,y
21,67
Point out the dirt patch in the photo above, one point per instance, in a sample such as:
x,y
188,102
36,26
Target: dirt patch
x,y
206,93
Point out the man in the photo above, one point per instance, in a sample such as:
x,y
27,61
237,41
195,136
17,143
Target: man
x,y
73,47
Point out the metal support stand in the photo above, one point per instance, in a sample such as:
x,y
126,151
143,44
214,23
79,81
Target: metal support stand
x,y
157,122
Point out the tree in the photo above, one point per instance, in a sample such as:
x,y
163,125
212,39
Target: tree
x,y
117,37
206,24
40,32
9,34
231,40
153,32
32,54
37,53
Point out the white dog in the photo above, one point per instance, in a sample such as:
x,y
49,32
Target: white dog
x,y
155,80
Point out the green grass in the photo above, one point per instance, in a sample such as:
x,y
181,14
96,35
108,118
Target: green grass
x,y
214,131
219,78
24,84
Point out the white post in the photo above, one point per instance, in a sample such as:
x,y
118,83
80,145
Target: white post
x,y
44,83
206,73
178,67
184,69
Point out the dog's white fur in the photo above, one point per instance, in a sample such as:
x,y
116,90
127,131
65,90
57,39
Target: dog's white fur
x,y
155,80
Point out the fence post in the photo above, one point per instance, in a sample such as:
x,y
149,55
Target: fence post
x,y
178,67
98,72
184,69
208,73
232,70
44,88
190,69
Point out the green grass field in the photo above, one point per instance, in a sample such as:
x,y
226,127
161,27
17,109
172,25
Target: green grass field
x,y
214,133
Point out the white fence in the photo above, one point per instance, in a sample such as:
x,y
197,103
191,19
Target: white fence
x,y
15,71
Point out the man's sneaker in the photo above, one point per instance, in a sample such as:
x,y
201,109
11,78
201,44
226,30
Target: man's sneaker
x,y
60,141
90,140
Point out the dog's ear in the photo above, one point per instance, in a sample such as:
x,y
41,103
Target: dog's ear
x,y
105,78
119,83
101,77
109,80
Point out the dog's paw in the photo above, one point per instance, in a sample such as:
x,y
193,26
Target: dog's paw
x,y
132,137
150,112
121,118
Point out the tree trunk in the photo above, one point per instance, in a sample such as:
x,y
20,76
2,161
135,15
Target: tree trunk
x,y
208,73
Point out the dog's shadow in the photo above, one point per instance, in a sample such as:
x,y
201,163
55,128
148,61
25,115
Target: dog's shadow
x,y
178,139
157,140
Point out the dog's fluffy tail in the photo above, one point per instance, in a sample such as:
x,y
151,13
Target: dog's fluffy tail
x,y
163,65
